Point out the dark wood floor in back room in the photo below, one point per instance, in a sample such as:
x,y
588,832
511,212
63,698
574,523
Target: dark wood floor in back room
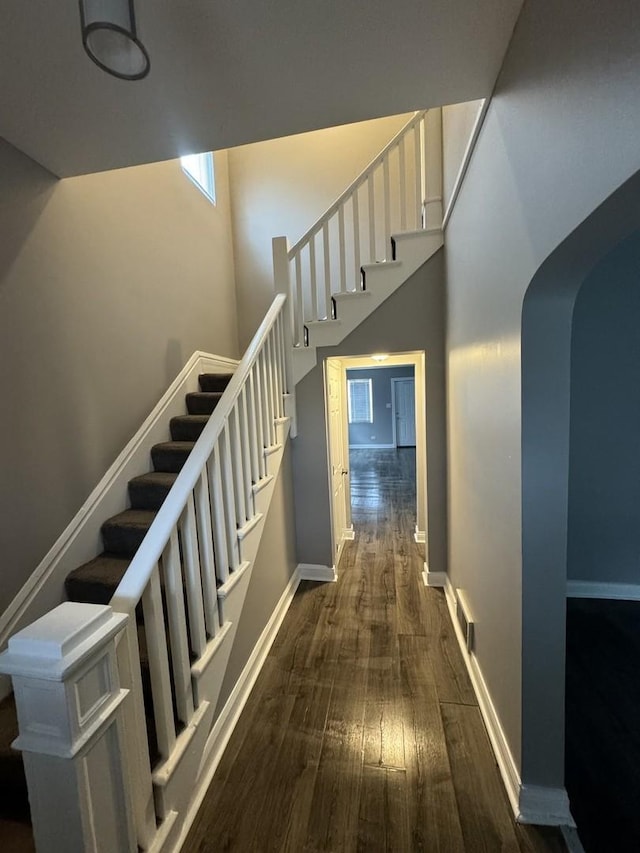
x,y
362,732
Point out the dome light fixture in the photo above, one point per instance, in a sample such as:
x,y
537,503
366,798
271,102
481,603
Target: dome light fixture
x,y
380,356
110,38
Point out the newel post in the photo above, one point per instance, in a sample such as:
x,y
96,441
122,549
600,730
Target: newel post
x,y
433,168
282,283
70,704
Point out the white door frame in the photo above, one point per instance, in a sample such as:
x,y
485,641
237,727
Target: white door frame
x,y
393,407
418,360
343,439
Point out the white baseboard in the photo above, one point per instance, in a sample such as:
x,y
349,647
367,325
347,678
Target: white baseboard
x,y
597,589
230,714
572,840
316,572
372,447
530,804
545,806
433,578
349,534
420,536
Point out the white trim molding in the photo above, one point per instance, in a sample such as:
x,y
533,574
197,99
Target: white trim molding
x,y
230,714
316,572
371,446
466,159
433,578
530,803
601,589
349,534
80,541
545,806
420,536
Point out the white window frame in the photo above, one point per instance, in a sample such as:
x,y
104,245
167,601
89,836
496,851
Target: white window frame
x,y
199,168
355,416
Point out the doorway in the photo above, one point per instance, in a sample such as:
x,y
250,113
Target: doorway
x,y
403,411
367,413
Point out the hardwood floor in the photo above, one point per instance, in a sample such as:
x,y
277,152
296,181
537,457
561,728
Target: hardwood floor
x,y
362,732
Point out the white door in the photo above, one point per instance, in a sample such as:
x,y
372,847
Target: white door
x,y
338,455
404,406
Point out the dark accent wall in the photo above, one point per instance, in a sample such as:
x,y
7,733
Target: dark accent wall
x,y
604,458
380,432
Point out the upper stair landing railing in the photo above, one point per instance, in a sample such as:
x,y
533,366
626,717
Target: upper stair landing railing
x,y
390,195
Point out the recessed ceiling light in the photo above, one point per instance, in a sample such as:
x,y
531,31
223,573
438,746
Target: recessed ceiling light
x,y
380,356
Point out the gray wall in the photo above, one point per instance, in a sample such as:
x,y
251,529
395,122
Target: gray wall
x,y
560,135
108,283
381,430
604,472
272,571
458,121
411,319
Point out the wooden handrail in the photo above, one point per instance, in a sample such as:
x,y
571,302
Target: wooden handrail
x,y
136,579
354,185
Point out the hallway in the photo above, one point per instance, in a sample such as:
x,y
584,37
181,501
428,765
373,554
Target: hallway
x,y
362,732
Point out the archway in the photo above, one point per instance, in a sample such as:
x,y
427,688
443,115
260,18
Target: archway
x,y
546,392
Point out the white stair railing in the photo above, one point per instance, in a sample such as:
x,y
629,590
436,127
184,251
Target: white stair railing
x,y
193,544
182,594
389,196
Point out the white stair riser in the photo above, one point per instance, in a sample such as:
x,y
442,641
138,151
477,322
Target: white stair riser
x,y
414,249
174,793
207,681
381,280
231,604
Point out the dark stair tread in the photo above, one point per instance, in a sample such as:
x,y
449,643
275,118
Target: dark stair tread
x,y
123,533
187,427
96,581
148,491
170,456
14,801
214,381
202,402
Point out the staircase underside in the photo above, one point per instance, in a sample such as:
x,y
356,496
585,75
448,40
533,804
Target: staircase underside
x,y
379,281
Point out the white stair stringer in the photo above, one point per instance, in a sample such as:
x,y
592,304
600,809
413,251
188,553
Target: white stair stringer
x,y
412,249
175,778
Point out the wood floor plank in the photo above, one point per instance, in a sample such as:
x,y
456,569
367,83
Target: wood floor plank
x,y
434,820
383,823
452,679
485,815
362,732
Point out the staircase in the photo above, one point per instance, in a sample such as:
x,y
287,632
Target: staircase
x,y
380,230
176,562
96,581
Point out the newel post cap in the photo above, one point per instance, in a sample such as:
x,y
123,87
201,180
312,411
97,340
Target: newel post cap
x,y
60,641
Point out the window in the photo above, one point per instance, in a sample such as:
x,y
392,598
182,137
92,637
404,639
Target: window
x,y
360,401
199,167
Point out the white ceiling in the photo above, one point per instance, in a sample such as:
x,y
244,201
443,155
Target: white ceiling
x,y
229,72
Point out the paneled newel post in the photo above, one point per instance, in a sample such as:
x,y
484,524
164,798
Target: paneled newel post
x,y
69,704
280,246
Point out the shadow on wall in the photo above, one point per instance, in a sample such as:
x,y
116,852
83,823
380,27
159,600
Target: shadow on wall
x,y
547,319
173,360
24,194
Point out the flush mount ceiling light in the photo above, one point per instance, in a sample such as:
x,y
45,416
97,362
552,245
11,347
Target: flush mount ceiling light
x,y
111,40
380,356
